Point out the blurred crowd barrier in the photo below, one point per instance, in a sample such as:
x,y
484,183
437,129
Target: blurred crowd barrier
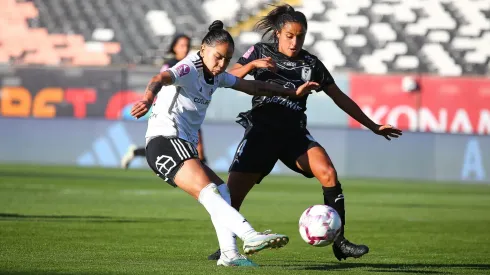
x,y
74,116
439,104
356,153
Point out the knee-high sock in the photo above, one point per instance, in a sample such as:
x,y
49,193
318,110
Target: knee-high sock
x,y
333,197
223,214
226,238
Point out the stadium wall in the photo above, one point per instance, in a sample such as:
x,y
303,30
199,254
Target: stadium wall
x,y
442,105
108,94
356,153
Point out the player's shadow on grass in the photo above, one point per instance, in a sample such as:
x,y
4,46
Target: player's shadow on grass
x,y
79,218
401,268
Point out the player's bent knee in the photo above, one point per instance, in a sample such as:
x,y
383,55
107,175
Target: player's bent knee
x,y
327,176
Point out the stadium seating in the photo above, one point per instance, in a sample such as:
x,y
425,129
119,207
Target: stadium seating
x,y
233,11
101,32
446,37
24,40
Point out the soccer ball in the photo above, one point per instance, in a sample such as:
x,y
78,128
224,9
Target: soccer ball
x,y
320,225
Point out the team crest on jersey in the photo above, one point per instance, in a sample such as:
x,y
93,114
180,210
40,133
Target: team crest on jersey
x,y
306,74
183,69
289,85
248,52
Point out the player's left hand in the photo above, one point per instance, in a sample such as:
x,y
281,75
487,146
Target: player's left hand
x,y
306,88
388,131
140,108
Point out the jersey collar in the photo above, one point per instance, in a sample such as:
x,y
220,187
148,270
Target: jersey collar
x,y
299,57
207,77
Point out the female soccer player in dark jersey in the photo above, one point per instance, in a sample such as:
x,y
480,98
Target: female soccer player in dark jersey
x,y
276,125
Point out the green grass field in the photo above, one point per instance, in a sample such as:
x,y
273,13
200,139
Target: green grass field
x,y
66,220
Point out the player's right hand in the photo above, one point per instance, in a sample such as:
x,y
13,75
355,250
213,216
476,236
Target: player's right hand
x,y
388,131
266,63
140,108
306,88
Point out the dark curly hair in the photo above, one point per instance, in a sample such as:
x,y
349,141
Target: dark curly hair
x,y
277,18
217,35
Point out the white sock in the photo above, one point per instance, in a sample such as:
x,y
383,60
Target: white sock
x,y
226,238
223,214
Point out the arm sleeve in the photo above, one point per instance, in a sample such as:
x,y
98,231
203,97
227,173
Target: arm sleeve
x,y
226,80
164,68
181,73
322,76
250,55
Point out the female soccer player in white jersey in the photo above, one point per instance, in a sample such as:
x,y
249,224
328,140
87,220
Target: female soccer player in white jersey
x,y
276,126
179,48
172,137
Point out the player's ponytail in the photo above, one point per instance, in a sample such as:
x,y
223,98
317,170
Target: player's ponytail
x,y
216,26
277,18
217,35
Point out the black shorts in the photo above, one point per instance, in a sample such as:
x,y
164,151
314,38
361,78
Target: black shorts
x,y
167,155
260,149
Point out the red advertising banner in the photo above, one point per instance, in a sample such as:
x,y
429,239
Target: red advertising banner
x,y
66,92
443,105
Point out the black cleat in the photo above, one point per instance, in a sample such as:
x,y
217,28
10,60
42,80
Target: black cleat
x,y
346,249
215,256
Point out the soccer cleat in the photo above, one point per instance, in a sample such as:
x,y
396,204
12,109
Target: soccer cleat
x,y
347,249
215,256
239,260
264,240
128,157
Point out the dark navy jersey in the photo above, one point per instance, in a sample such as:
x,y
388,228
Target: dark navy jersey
x,y
171,62
278,112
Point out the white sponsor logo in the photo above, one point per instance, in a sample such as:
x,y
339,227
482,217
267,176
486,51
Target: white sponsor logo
x,y
340,197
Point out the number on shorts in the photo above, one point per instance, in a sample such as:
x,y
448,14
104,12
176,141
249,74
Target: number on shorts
x,y
239,150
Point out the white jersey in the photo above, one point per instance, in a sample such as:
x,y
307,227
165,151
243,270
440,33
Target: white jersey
x,y
179,110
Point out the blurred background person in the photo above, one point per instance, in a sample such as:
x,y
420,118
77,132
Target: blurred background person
x,y
178,49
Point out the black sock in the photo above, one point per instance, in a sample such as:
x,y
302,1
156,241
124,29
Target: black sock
x,y
140,152
333,197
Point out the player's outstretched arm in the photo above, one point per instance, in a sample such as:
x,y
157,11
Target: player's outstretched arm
x,y
261,88
141,107
351,108
241,71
